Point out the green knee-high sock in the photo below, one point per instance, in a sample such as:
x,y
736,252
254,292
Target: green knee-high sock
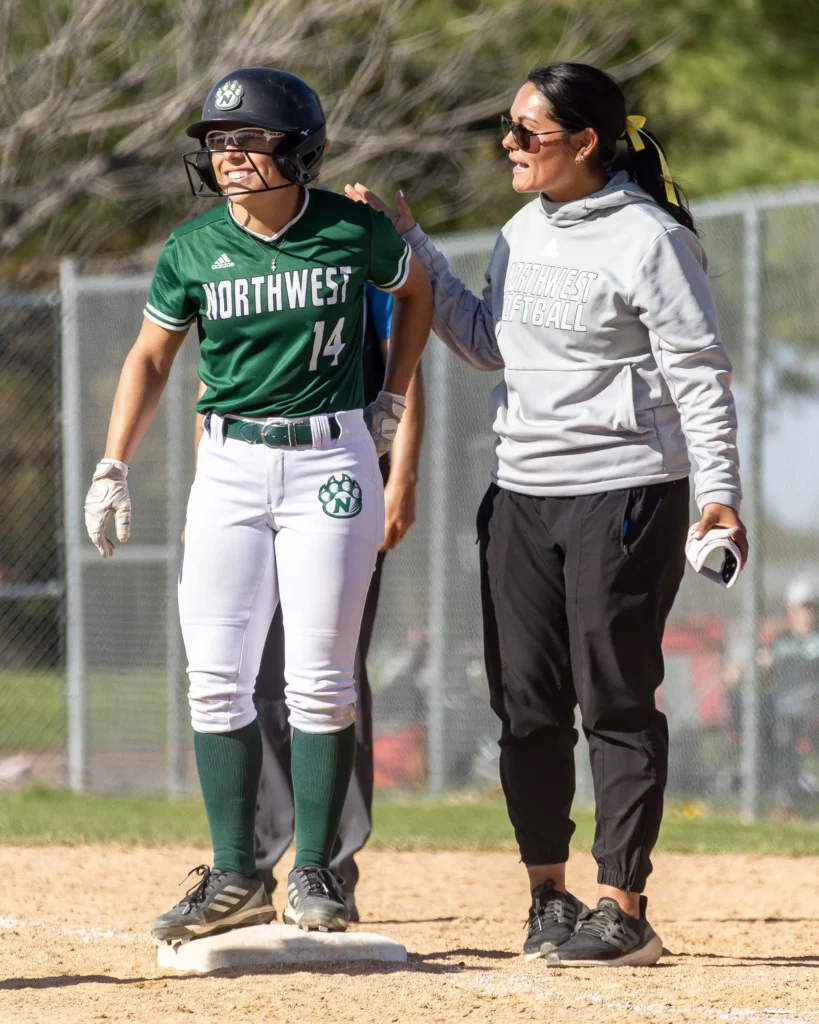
x,y
229,766
321,767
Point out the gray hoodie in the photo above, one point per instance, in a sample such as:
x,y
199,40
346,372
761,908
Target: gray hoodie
x,y
600,315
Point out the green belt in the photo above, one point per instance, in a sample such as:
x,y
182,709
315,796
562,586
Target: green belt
x,y
276,435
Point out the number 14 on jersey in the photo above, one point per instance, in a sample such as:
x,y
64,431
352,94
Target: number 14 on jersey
x,y
332,350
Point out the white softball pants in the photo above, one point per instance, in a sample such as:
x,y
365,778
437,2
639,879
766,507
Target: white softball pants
x,y
258,532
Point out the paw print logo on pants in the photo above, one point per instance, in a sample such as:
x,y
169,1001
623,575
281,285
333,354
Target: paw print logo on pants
x,y
340,497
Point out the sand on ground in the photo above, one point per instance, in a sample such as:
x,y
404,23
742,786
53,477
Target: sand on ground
x,y
742,933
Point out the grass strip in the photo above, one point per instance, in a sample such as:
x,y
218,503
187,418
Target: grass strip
x,y
43,816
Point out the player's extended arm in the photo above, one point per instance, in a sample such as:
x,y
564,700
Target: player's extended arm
x,y
409,330
141,383
405,457
410,326
140,388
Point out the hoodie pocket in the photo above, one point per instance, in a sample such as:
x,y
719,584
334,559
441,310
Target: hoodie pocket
x,y
626,414
641,391
567,410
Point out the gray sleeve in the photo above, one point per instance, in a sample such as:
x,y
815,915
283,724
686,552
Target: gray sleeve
x,y
673,298
463,322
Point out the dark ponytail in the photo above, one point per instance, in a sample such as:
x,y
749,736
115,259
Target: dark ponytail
x,y
581,96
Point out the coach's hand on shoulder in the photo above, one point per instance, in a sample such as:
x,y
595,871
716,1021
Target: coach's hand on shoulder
x,y
108,497
403,220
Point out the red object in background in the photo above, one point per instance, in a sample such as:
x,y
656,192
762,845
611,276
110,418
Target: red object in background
x,y
400,758
699,634
700,639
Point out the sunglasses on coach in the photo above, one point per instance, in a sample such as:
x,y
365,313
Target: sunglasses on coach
x,y
521,135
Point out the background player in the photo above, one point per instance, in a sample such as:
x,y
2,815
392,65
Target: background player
x,y
274,811
287,503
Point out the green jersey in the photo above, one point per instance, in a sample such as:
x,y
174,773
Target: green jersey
x,y
281,321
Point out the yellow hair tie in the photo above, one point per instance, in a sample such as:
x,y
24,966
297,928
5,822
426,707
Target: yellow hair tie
x,y
633,125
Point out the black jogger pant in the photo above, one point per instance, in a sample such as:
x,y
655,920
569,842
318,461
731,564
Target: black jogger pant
x,y
274,808
575,594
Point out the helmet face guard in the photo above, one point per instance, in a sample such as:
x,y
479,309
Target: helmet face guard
x,y
261,98
202,175
297,158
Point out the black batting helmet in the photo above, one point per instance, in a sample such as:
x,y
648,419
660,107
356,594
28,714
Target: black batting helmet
x,y
264,98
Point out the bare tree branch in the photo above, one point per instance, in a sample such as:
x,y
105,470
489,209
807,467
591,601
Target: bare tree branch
x,y
94,97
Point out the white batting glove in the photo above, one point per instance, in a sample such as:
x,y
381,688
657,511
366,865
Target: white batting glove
x,y
715,556
108,497
382,418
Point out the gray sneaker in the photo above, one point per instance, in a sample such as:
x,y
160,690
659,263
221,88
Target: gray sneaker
x,y
553,919
607,937
221,900
315,901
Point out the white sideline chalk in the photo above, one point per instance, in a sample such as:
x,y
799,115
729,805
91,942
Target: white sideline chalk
x,y
277,944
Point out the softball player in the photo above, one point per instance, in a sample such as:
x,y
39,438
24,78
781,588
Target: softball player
x,y
598,311
274,807
287,504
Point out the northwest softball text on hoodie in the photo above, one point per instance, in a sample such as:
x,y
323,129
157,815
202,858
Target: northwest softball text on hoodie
x,y
600,315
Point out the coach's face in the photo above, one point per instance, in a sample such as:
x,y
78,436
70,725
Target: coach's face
x,y
553,161
246,163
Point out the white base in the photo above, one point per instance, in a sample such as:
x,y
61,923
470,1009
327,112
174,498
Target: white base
x,y
277,944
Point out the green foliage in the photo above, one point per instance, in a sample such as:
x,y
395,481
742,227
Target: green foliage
x,y
29,486
97,97
739,101
29,479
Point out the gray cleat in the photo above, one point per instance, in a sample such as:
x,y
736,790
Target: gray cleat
x,y
553,919
221,900
315,901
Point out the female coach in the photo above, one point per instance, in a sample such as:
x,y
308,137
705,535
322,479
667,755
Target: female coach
x,y
598,310
287,504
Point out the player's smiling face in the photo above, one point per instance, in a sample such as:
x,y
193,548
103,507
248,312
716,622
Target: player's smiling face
x,y
234,166
550,163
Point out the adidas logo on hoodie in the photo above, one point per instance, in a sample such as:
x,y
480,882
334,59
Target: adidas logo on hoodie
x,y
223,263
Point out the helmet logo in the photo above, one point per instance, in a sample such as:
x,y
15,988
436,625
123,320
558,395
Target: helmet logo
x,y
229,95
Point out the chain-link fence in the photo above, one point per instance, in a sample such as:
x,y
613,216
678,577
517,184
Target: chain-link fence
x,y
742,667
127,718
91,662
32,704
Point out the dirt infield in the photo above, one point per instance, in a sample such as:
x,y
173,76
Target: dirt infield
x,y
743,935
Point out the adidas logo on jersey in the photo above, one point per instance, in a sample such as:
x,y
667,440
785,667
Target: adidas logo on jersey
x,y
551,250
223,263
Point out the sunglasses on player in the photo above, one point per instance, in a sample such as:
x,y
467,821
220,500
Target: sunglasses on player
x,y
254,140
522,135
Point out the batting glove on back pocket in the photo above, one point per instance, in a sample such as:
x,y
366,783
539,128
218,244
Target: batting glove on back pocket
x,y
383,417
108,497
